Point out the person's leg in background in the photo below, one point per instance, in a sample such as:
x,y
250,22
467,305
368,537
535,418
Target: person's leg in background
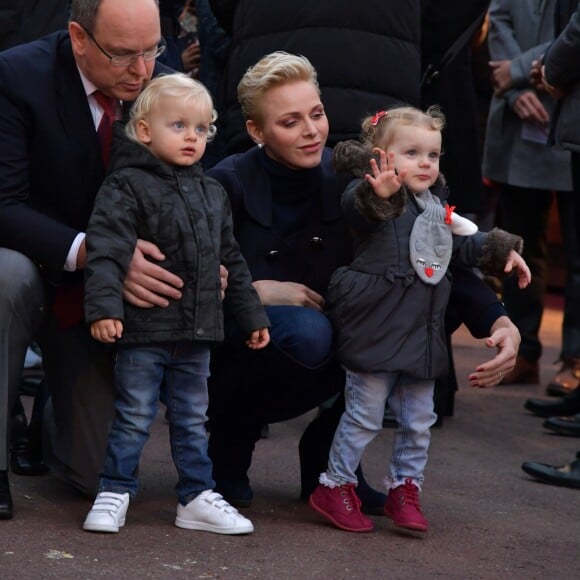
x,y
24,458
78,415
21,304
26,435
525,212
568,378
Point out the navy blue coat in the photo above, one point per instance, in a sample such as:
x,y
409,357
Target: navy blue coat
x,y
309,255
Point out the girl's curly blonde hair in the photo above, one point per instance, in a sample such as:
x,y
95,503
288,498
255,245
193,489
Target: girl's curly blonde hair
x,y
379,129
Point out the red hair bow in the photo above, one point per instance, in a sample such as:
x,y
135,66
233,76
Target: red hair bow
x,y
377,117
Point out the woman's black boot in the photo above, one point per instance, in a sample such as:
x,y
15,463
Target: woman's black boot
x,y
6,508
23,459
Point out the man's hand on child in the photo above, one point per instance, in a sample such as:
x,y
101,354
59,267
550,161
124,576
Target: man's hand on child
x,y
258,339
107,330
385,180
147,284
516,262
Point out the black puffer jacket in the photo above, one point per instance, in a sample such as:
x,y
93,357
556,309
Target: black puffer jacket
x,y
188,216
366,54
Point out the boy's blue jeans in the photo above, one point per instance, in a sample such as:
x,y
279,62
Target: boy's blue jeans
x,y
410,401
183,369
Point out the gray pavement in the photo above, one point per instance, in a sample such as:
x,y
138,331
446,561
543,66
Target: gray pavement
x,y
488,519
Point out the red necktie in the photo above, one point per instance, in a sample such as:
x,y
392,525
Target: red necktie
x,y
68,300
105,129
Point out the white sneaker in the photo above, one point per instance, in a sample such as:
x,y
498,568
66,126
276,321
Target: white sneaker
x,y
210,512
108,512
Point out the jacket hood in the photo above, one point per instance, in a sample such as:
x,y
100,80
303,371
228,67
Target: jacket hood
x,y
127,153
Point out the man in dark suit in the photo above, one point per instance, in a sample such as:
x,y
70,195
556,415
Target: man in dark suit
x,y
50,170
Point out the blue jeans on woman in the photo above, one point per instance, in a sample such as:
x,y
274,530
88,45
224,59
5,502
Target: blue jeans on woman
x,y
304,335
411,402
183,368
295,373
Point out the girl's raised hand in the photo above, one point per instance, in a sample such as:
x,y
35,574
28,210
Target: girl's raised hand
x,y
384,180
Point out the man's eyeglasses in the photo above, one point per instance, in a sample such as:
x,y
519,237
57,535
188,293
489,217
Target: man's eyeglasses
x,y
127,59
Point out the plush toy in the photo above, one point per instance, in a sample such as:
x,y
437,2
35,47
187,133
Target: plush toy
x,y
431,242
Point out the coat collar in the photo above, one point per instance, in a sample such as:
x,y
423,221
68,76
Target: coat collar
x,y
257,192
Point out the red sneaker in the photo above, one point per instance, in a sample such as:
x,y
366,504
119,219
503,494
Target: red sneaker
x,y
341,506
403,507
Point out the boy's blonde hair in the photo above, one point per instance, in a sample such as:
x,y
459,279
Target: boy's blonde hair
x,y
272,70
176,85
379,130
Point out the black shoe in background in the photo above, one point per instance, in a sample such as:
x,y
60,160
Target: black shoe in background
x,y
563,407
372,500
567,426
567,475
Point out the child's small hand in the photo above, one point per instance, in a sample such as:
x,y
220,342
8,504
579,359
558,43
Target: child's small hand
x,y
515,261
107,329
385,181
258,339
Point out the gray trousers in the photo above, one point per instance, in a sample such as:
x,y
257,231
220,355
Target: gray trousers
x,y
78,370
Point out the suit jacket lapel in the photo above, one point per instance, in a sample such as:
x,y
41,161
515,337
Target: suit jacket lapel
x,y
73,107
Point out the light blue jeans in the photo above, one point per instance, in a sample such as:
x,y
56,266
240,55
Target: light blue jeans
x,y
183,368
411,402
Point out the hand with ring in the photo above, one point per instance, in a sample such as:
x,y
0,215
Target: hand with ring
x,y
505,339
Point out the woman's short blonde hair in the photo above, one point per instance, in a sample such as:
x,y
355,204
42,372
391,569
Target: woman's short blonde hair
x,y
379,130
272,70
176,85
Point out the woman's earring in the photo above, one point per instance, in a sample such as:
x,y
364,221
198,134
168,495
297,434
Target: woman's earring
x,y
260,145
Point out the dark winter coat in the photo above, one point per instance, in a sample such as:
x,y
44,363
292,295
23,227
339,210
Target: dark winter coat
x,y
562,71
386,318
520,32
442,22
188,216
310,253
26,20
366,54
